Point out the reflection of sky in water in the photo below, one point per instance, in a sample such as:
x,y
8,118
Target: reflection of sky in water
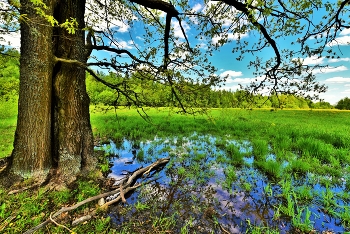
x,y
234,206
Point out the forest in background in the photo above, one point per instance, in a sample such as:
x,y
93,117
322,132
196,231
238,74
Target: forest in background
x,y
156,95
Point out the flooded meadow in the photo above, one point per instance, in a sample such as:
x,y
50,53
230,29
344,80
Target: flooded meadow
x,y
221,185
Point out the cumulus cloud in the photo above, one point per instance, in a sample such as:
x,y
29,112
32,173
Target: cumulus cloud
x,y
100,20
339,41
231,36
177,29
313,60
140,38
330,69
197,7
122,26
342,39
345,32
126,44
231,73
247,80
202,45
234,78
338,80
339,60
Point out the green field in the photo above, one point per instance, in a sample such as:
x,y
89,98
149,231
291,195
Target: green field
x,y
329,128
296,162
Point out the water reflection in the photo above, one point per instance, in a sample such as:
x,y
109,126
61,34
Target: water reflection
x,y
193,190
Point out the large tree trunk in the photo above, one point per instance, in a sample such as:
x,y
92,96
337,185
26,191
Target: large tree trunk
x,y
53,129
32,146
73,134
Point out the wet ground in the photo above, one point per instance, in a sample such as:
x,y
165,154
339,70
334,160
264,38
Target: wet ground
x,y
201,190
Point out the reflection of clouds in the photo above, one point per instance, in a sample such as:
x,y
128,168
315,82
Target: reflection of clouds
x,y
193,198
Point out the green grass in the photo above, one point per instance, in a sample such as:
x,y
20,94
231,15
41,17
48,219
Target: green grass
x,y
8,120
284,126
315,133
302,141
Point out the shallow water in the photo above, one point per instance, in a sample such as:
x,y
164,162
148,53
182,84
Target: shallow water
x,y
194,188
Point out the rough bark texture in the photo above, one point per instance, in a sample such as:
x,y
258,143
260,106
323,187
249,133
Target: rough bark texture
x,y
32,147
72,129
53,129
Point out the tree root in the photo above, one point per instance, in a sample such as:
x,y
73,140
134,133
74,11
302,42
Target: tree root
x,y
126,185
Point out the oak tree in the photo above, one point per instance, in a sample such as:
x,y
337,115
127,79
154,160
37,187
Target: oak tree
x,y
58,38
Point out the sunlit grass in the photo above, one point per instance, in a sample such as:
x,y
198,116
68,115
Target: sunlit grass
x,y
8,120
286,146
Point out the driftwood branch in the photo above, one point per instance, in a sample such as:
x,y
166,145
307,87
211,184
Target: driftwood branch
x,y
126,185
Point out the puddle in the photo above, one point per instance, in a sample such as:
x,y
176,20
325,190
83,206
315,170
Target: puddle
x,y
203,191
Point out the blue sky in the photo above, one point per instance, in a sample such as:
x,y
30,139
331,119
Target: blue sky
x,y
336,76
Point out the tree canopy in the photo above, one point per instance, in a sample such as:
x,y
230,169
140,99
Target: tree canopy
x,y
343,104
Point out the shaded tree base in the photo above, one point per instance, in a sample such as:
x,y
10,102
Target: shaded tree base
x,y
55,179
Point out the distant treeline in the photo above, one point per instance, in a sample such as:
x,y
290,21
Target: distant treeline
x,y
156,94
153,93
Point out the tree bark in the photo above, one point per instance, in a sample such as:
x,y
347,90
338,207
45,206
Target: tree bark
x,y
32,146
53,128
72,130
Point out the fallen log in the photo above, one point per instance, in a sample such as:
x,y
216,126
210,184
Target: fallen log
x,y
125,185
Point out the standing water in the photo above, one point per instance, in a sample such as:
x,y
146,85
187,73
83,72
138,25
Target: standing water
x,y
214,185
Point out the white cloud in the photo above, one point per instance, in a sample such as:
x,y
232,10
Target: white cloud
x,y
140,38
123,27
202,45
97,16
247,80
345,32
330,69
342,40
231,36
12,39
125,44
197,7
347,85
339,60
313,60
231,73
178,31
338,80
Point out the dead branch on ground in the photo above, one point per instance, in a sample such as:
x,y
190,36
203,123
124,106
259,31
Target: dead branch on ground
x,y
126,185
